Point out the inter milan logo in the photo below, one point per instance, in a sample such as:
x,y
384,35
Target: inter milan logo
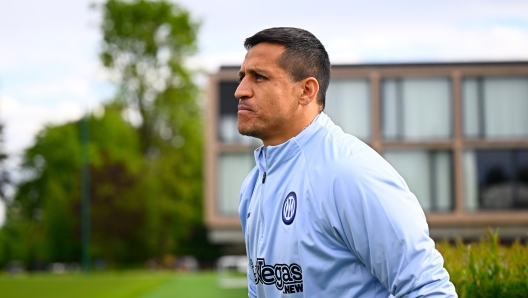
x,y
289,208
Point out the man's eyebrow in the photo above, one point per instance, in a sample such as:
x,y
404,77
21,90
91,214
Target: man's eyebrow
x,y
259,71
253,71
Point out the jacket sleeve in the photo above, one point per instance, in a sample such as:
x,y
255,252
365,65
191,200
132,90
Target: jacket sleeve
x,y
243,205
381,221
252,292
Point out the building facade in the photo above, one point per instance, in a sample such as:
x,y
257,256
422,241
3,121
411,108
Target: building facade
x,y
456,132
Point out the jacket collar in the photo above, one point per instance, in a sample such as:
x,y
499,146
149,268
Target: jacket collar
x,y
270,157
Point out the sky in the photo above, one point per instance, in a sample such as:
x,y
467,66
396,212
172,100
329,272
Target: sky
x,y
50,72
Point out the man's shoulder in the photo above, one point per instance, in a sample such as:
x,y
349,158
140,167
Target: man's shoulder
x,y
250,179
336,150
334,154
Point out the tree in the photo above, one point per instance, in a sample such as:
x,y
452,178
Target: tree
x,y
43,220
4,175
145,45
145,153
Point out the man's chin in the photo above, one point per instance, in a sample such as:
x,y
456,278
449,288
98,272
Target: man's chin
x,y
248,132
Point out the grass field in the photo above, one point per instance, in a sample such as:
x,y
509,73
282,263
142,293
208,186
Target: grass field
x,y
127,284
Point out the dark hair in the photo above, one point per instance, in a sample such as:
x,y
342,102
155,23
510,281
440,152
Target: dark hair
x,y
305,56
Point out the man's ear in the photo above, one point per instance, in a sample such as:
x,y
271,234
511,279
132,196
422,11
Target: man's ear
x,y
310,88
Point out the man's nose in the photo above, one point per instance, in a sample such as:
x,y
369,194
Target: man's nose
x,y
243,90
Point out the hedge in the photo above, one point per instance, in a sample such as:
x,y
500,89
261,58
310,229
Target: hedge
x,y
487,268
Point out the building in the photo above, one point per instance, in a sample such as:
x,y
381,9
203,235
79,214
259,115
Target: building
x,y
457,133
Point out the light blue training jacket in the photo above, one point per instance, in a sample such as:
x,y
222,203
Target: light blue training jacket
x,y
325,216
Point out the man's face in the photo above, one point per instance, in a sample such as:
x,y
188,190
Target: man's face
x,y
268,99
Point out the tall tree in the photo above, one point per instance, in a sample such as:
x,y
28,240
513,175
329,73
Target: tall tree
x,y
145,47
146,172
4,175
43,220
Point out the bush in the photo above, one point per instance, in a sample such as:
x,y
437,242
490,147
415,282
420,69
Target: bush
x,y
486,268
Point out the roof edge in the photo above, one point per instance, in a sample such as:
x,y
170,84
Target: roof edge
x,y
412,64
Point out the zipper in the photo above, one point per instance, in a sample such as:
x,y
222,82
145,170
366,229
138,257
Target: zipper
x,y
261,223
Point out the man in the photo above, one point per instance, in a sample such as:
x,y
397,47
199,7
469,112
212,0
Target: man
x,y
323,214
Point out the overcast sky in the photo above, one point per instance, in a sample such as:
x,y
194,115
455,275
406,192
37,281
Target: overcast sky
x,y
49,69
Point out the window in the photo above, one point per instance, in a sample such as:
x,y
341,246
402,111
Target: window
x,y
416,109
232,170
495,107
428,174
496,179
348,105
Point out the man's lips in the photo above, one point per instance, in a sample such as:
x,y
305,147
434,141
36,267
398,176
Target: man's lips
x,y
242,109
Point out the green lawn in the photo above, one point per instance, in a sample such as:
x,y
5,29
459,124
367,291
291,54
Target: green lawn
x,y
127,284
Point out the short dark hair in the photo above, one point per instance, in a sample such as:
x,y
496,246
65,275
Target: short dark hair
x,y
305,56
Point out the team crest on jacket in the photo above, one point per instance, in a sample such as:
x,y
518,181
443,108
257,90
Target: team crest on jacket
x,y
289,208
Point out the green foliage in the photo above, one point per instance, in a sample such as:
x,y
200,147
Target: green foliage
x,y
145,172
43,220
145,44
144,48
4,176
487,269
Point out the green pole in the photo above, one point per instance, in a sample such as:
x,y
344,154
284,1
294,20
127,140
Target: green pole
x,y
85,195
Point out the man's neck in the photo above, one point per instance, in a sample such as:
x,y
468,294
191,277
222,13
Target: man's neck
x,y
284,138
